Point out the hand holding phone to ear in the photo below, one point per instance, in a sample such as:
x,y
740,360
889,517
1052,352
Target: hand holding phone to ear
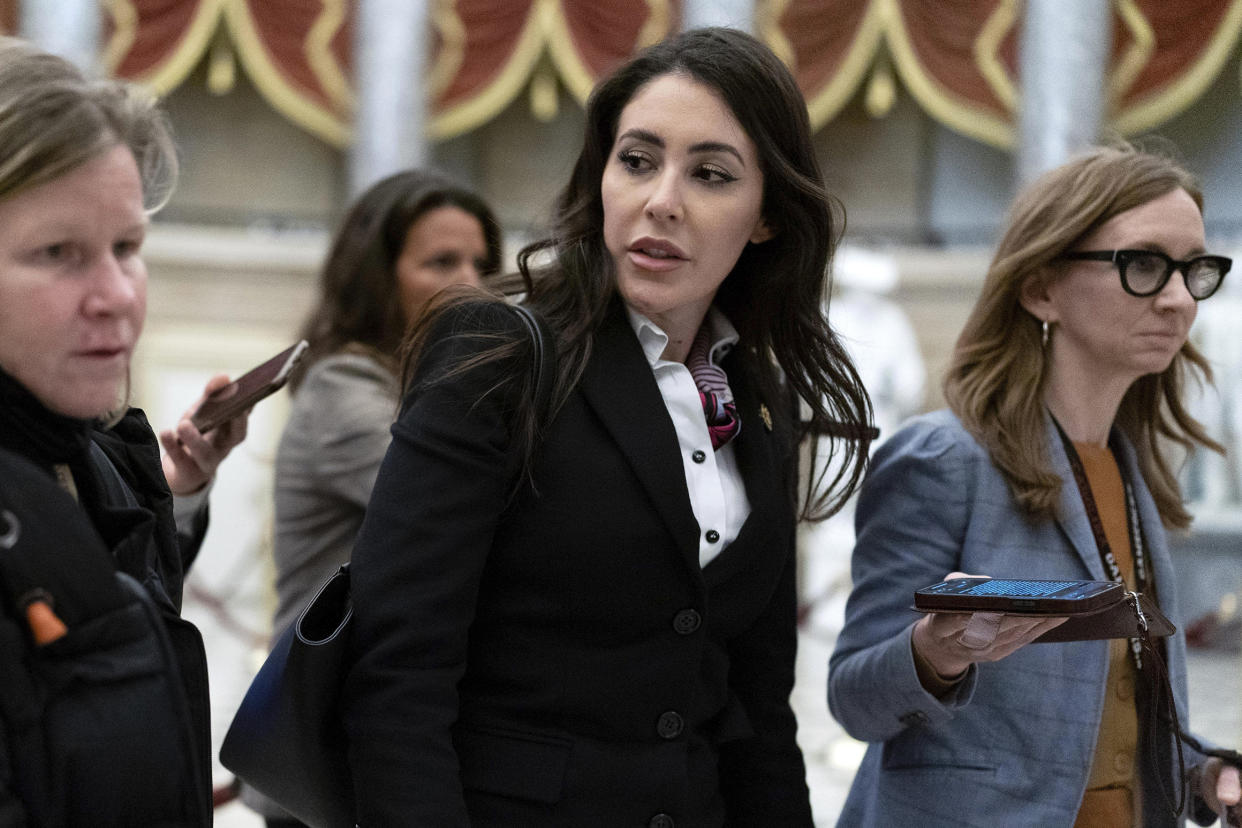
x,y
214,425
191,457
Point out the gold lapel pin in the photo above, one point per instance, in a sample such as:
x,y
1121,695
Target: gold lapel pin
x,y
766,416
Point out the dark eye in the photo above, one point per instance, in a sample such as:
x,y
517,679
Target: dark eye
x,y
126,248
1146,265
714,175
58,254
634,161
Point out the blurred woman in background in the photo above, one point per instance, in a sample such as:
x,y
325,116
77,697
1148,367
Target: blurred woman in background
x,y
405,239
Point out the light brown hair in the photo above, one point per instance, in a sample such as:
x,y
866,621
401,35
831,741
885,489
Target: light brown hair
x,y
996,377
53,119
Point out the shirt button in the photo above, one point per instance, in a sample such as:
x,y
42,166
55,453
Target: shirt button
x,y
686,621
698,455
661,821
712,536
1125,689
670,725
1122,763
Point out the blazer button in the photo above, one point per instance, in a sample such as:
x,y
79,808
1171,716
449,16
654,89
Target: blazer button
x,y
698,456
670,725
661,821
712,536
686,621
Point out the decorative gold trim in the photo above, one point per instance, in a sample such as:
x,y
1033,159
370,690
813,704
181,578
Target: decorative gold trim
x,y
881,93
574,73
656,28
322,61
221,67
987,52
446,21
560,43
768,28
1164,104
172,72
273,86
1142,47
124,32
972,121
498,94
544,94
827,102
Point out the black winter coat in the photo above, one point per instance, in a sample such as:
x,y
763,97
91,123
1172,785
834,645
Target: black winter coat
x,y
108,724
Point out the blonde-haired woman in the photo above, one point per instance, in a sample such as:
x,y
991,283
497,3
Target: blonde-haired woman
x,y
103,686
1066,379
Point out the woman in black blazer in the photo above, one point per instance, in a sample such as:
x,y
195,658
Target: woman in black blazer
x,y
586,616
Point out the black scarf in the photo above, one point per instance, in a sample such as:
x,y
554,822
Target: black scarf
x,y
30,429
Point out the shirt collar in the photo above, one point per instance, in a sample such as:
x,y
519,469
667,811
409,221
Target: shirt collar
x,y
654,340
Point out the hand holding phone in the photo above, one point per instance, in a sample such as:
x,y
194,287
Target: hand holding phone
x,y
238,396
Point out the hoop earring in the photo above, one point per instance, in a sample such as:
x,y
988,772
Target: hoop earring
x,y
1044,334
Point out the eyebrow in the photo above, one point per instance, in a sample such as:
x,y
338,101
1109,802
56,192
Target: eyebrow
x,y
703,146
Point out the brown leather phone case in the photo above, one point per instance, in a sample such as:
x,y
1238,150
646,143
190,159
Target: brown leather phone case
x,y
1116,620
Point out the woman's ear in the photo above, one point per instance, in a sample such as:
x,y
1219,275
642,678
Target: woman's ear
x,y
1035,297
762,232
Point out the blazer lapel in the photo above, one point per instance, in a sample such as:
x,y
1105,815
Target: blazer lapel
x,y
619,386
1071,516
756,446
757,451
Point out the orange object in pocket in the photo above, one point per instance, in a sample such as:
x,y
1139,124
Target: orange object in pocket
x,y
45,625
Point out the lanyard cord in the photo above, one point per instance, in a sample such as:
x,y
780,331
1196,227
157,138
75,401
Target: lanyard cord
x,y
1153,667
1107,558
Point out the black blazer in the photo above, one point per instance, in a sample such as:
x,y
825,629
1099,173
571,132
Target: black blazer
x,y
561,659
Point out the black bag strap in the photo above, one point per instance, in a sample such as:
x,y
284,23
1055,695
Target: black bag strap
x,y
544,359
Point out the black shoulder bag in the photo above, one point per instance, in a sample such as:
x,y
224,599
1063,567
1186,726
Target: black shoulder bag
x,y
287,740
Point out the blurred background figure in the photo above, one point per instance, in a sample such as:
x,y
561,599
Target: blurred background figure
x,y
881,340
403,241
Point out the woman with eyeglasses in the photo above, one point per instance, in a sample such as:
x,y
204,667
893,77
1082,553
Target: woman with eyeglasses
x,y
1064,387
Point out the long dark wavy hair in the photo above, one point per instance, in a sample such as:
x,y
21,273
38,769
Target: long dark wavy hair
x,y
358,305
773,295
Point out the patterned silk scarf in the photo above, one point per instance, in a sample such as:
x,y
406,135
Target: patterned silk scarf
x,y
723,422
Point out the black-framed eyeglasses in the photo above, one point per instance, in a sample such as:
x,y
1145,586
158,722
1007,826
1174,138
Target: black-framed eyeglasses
x,y
1146,272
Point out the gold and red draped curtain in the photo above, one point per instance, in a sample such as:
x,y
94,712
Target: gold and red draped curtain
x,y
957,58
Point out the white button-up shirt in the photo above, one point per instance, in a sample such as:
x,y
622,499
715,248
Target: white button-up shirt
x,y
717,494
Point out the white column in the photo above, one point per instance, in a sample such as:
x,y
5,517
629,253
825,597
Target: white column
x,y
390,55
69,28
736,14
1064,48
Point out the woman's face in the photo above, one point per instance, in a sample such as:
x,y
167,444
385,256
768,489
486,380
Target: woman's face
x,y
73,288
1104,333
445,246
682,195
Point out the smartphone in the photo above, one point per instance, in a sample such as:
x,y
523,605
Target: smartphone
x,y
1004,595
240,394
